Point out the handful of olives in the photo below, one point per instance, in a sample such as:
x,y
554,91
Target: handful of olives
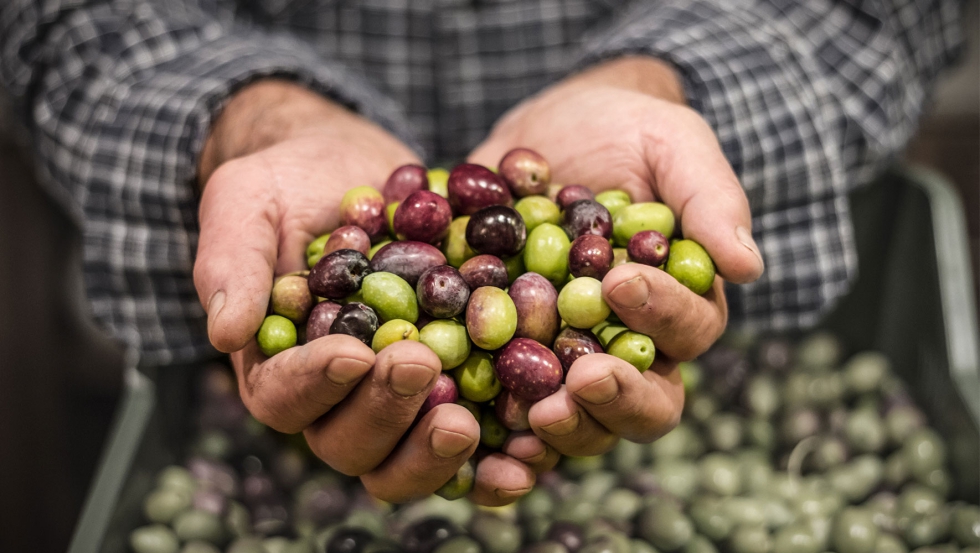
x,y
507,294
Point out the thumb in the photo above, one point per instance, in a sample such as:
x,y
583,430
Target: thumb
x,y
693,177
236,257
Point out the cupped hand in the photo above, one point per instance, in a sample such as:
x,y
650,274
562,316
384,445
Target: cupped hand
x,y
276,165
624,125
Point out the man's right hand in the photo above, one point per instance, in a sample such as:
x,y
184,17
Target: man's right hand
x,y
276,165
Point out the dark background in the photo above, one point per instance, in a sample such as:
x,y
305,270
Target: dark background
x,y
60,377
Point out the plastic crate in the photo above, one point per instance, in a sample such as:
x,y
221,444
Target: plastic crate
x,y
914,301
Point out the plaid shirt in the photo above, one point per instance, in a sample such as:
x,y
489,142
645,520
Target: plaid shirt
x,y
808,98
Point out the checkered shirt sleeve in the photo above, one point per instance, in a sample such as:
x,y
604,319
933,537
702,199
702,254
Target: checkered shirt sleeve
x,y
808,99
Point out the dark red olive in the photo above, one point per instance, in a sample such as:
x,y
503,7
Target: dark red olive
x,y
586,217
496,230
590,256
473,187
484,270
339,274
528,369
424,216
573,193
357,320
649,247
403,181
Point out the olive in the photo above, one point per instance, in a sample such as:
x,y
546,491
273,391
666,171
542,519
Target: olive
x,y
493,433
357,320
641,546
627,457
536,210
700,544
599,538
620,505
155,538
495,534
573,193
476,378
925,451
461,483
901,422
545,547
496,230
719,474
762,395
896,470
678,477
455,248
277,334
724,431
199,547
576,509
965,525
395,330
711,518
854,531
166,503
566,533
390,296
199,525
865,431
238,521
364,207
247,545
750,539
405,180
917,499
795,538
820,350
424,536
682,441
525,171
887,543
665,526
865,372
459,544
349,540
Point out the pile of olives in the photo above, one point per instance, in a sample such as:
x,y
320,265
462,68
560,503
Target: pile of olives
x,y
781,449
508,295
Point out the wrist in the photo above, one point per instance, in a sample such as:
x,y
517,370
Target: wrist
x,y
260,115
643,74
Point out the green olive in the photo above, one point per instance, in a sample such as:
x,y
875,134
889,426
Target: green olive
x,y
461,483
887,543
390,297
633,218
315,250
750,539
495,534
476,378
454,247
665,526
515,267
277,334
691,265
164,504
854,531
795,538
196,524
155,538
719,474
459,544
546,253
711,518
395,330
439,181
613,200
925,451
678,477
493,434
634,348
965,525
536,210
448,339
580,303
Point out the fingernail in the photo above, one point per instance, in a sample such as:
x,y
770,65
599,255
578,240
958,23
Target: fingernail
x,y
744,236
344,370
215,304
562,427
446,444
510,494
407,379
630,294
600,392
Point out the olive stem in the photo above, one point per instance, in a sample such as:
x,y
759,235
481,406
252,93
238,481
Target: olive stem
x,y
794,466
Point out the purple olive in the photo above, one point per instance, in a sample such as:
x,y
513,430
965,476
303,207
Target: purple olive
x,y
357,320
339,274
364,207
403,181
512,411
496,230
484,270
569,534
649,247
573,343
322,316
445,391
537,308
525,171
407,259
348,238
586,217
590,256
442,292
473,187
528,369
573,193
423,216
